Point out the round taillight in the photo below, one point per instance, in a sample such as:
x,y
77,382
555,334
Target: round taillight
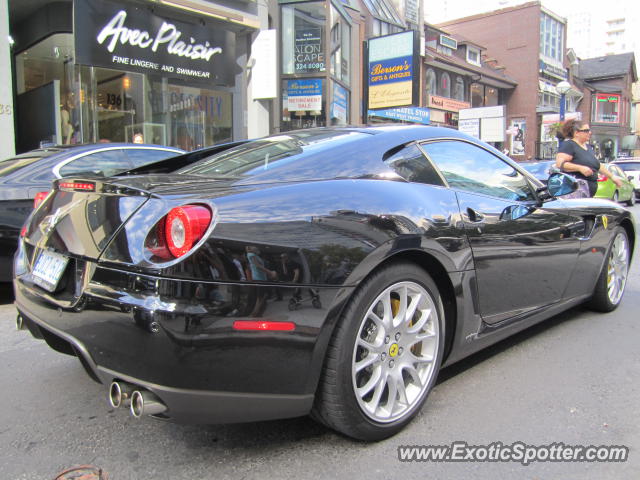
x,y
185,226
39,198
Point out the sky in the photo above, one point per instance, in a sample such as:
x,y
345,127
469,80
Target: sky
x,y
437,11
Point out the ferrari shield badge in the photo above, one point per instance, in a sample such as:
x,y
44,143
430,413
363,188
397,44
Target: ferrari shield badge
x,y
605,221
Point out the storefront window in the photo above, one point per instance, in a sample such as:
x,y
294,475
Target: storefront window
x,y
120,105
490,97
445,85
431,82
47,71
303,38
339,105
340,46
606,108
303,103
484,96
458,89
477,95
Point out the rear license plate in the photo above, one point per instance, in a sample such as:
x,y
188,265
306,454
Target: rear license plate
x,y
49,269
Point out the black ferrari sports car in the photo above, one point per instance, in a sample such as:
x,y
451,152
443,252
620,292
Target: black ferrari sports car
x,y
329,271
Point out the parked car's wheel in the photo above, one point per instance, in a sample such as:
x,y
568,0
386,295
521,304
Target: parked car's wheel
x,y
632,201
613,278
615,196
384,355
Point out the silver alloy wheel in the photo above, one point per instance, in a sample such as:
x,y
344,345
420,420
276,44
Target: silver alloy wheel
x,y
395,351
617,268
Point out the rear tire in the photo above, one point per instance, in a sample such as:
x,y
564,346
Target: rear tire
x,y
632,200
613,278
384,355
615,196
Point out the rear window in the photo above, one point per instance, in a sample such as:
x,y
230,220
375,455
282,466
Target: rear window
x,y
11,165
261,155
629,167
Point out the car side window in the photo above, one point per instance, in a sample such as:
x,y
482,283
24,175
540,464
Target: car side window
x,y
106,163
143,156
410,163
617,171
470,168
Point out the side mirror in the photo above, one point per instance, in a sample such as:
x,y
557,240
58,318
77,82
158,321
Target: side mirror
x,y
561,184
630,178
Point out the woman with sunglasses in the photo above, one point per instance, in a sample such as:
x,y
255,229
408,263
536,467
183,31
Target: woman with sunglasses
x,y
575,157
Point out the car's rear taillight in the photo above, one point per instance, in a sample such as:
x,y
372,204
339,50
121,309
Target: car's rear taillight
x,y
184,226
40,196
601,177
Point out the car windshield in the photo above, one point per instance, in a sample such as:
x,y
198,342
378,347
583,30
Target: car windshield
x,y
14,164
629,166
257,156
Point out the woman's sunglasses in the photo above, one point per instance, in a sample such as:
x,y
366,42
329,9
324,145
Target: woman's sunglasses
x,y
584,130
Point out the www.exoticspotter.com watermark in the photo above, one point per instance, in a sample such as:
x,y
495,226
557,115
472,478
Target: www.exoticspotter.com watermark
x,y
515,452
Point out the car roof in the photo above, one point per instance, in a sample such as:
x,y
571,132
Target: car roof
x,y
343,152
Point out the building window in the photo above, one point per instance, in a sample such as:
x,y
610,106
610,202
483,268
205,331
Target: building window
x,y
340,46
458,89
606,108
477,95
445,85
473,55
303,103
303,38
431,82
551,38
491,97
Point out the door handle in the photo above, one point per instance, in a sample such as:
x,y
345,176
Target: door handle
x,y
474,216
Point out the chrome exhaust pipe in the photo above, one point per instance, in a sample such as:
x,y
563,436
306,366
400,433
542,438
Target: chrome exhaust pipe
x,y
120,394
20,323
146,403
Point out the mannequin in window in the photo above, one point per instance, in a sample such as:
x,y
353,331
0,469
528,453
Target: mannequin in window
x,y
66,115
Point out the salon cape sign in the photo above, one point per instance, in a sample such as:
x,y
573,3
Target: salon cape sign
x,y
133,38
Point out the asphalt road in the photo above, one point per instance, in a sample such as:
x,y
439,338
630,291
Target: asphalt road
x,y
574,379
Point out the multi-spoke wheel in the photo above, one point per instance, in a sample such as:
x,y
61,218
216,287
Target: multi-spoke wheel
x,y
384,355
610,286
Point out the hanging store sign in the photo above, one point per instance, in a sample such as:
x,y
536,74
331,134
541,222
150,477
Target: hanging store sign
x,y
132,38
552,70
339,104
608,98
448,104
304,95
393,70
406,114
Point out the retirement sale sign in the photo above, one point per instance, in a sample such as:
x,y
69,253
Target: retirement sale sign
x,y
392,61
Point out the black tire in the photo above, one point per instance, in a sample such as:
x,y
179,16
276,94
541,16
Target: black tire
x,y
337,403
632,200
612,280
615,196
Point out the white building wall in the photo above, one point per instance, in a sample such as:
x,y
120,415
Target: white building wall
x,y
7,134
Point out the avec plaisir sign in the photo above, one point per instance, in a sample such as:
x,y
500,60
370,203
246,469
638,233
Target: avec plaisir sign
x,y
132,37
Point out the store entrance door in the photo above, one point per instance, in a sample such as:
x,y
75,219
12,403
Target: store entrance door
x,y
38,117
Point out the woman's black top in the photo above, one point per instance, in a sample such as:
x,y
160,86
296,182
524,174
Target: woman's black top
x,y
583,157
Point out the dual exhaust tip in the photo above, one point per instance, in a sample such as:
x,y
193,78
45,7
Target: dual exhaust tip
x,y
140,402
